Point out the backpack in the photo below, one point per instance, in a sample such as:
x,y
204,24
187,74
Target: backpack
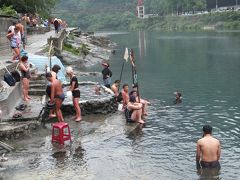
x,y
15,74
8,78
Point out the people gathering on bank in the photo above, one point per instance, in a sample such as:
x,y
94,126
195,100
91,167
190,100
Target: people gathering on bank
x,y
133,107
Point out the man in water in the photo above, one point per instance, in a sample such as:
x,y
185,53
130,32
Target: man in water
x,y
57,95
208,150
178,97
125,95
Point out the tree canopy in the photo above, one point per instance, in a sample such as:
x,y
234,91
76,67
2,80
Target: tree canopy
x,y
42,7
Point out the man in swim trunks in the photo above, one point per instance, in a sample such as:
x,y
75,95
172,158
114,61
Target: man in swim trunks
x,y
125,95
57,95
208,150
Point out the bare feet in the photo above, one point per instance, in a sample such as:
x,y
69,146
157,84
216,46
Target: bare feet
x,y
52,116
78,119
141,122
29,97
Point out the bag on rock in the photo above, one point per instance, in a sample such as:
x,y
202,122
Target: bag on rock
x,y
8,78
16,76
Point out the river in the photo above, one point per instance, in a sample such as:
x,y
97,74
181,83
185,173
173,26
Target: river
x,y
204,67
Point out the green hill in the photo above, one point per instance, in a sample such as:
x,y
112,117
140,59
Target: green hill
x,y
94,15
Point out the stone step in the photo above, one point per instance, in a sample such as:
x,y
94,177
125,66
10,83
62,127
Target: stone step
x,y
37,86
37,92
32,81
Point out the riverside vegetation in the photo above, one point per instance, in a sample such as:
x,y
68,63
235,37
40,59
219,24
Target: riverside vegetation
x,y
120,15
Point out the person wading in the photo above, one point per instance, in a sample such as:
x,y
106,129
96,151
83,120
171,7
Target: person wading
x,y
75,92
208,150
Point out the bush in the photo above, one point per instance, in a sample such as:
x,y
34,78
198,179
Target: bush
x,y
8,10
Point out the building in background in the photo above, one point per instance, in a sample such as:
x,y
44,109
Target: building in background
x,y
140,9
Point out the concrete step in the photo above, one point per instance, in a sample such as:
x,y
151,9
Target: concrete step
x,y
37,86
37,92
33,81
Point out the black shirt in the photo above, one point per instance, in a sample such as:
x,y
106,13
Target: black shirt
x,y
74,79
106,72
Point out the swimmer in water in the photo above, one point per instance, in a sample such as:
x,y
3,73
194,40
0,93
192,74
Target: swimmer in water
x,y
178,97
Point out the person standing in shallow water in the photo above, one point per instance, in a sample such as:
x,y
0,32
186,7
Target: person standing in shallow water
x,y
107,74
208,150
75,92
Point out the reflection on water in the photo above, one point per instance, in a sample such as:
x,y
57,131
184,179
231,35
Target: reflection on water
x,y
205,70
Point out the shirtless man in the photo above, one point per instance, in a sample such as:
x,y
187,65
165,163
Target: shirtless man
x,y
125,95
114,87
208,150
57,95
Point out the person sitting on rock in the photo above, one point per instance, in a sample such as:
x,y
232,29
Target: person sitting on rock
x,y
133,111
125,95
144,102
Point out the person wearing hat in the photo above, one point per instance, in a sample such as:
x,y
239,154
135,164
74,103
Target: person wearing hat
x,y
75,92
107,74
133,111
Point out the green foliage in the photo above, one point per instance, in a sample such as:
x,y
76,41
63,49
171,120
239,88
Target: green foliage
x,y
71,49
82,50
42,7
8,10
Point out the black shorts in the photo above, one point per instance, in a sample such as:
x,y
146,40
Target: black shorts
x,y
214,164
76,93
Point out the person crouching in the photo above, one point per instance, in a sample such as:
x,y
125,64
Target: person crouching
x,y
133,111
57,95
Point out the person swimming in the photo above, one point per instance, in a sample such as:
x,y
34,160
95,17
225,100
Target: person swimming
x,y
178,97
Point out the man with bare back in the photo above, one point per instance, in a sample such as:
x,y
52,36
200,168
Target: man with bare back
x,y
208,150
57,95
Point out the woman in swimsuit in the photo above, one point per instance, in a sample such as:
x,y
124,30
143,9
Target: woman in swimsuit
x,y
24,68
133,111
15,42
75,92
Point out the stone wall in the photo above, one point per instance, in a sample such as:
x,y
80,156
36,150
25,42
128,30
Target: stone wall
x,y
58,40
98,106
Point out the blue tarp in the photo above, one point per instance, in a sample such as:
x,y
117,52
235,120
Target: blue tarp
x,y
41,61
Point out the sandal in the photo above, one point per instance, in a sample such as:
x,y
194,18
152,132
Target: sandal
x,y
17,115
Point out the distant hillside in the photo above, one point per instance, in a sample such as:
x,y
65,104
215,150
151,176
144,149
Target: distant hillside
x,y
95,15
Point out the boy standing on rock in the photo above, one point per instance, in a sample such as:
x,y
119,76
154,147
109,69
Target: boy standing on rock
x,y
107,74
